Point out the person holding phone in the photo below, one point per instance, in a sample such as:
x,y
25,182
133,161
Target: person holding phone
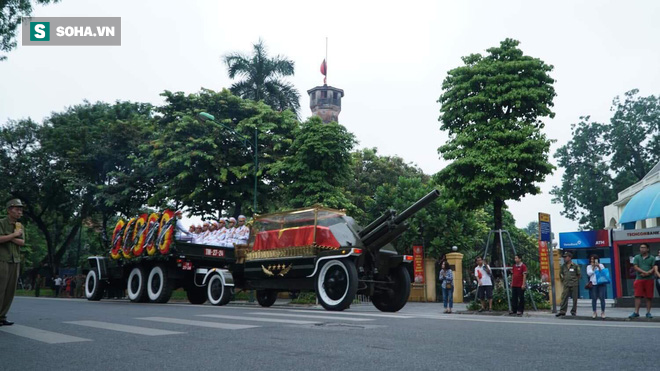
x,y
447,279
485,284
598,291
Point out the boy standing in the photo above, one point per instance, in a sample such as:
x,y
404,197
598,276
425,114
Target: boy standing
x,y
485,284
518,285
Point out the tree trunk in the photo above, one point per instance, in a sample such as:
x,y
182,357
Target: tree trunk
x,y
496,252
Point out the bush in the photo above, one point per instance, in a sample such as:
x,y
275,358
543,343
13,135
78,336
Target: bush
x,y
500,301
305,298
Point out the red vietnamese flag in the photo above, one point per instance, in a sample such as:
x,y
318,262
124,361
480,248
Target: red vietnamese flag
x,y
324,70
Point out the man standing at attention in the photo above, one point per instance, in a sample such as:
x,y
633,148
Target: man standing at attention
x,y
518,285
643,285
570,277
485,282
11,239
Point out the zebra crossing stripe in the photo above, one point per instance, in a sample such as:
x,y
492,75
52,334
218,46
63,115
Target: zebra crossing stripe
x,y
331,318
124,328
187,322
275,320
41,335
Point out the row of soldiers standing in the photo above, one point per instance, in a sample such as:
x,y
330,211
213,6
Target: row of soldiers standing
x,y
224,232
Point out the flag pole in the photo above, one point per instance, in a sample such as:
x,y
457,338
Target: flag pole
x,y
326,59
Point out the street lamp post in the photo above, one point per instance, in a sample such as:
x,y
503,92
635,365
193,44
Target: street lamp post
x,y
244,141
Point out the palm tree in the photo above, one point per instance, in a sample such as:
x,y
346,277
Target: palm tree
x,y
263,78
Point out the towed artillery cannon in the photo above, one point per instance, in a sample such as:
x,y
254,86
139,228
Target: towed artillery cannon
x,y
324,250
310,249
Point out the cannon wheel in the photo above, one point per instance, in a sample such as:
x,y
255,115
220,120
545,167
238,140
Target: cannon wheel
x,y
266,298
94,288
196,295
336,284
394,296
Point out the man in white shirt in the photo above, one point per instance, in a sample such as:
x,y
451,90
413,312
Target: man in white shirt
x,y
485,284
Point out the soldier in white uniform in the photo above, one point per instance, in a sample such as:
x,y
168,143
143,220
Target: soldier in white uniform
x,y
220,233
229,236
242,232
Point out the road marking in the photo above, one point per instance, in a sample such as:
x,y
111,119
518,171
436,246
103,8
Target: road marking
x,y
275,320
41,335
310,316
124,328
378,315
224,326
561,323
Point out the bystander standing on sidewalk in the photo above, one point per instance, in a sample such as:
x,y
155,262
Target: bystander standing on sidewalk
x,y
447,279
644,265
518,285
58,285
570,278
598,291
656,270
37,285
485,284
79,285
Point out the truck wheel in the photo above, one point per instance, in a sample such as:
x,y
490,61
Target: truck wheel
x,y
94,288
217,292
137,285
266,298
394,296
196,295
158,286
336,284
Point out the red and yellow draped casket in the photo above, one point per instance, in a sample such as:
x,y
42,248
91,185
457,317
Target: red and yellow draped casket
x,y
141,233
166,231
117,240
295,237
150,245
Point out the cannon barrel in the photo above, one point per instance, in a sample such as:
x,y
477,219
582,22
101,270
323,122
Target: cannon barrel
x,y
386,216
414,208
389,226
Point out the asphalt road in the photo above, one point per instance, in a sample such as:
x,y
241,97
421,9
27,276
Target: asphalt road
x,y
66,334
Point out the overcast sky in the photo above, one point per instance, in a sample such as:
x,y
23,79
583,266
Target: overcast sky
x,y
389,57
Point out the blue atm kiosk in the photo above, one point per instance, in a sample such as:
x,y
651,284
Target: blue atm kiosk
x,y
585,243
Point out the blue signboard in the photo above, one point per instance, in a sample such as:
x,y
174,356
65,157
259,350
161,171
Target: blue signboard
x,y
584,239
545,231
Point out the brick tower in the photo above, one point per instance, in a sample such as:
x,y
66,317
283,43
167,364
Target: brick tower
x,y
325,102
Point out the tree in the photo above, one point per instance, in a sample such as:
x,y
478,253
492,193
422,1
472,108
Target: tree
x,y
371,171
603,159
491,108
263,78
587,185
203,166
11,14
318,166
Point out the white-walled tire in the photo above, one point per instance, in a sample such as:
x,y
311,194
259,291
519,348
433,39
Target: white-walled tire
x,y
336,284
159,288
217,292
94,288
137,285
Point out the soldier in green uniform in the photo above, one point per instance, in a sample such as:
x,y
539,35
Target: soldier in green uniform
x,y
570,277
11,238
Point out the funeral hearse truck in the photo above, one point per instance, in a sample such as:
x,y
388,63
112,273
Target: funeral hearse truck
x,y
310,249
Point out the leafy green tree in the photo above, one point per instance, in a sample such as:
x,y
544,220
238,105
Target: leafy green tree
x,y
587,185
11,14
439,226
318,166
601,160
492,108
370,171
31,174
203,166
263,78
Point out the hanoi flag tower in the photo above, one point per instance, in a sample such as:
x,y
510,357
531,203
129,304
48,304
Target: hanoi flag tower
x,y
325,101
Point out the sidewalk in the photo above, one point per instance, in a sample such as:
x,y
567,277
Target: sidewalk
x,y
583,312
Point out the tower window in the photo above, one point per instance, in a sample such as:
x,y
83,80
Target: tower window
x,y
335,95
324,94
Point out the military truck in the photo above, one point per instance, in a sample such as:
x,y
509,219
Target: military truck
x,y
310,249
